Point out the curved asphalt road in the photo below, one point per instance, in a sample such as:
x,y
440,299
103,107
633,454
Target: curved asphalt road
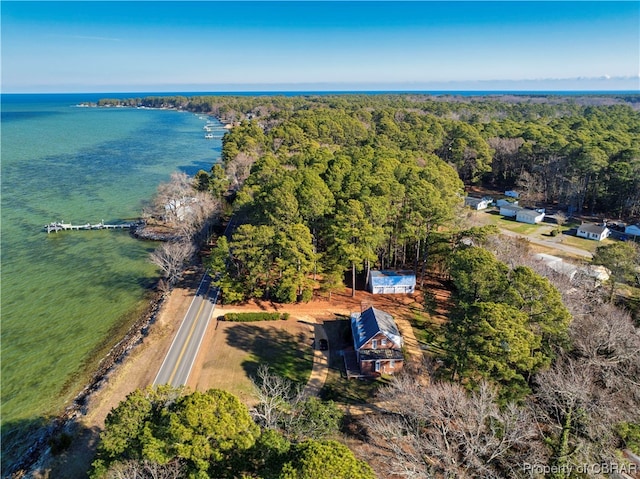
x,y
182,354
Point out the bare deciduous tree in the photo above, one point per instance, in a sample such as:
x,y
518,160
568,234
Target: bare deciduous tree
x,y
198,217
171,257
239,168
276,395
440,429
146,469
172,196
575,414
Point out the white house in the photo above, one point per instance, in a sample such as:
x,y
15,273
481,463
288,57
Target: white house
x,y
529,216
512,194
633,230
477,203
509,210
593,231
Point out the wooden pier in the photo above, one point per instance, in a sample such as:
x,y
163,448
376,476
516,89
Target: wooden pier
x,y
59,226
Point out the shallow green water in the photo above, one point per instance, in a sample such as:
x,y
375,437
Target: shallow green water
x,y
63,294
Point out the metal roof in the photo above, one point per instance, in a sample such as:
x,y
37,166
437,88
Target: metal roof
x,y
392,278
371,322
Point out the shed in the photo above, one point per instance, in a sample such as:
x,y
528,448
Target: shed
x,y
593,231
391,282
477,203
509,210
529,216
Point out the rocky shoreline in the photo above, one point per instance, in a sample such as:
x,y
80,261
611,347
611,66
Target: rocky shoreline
x,y
153,233
116,356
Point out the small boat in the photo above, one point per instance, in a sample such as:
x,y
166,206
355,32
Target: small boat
x,y
209,136
206,128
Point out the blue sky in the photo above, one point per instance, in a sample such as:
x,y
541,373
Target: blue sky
x,y
234,46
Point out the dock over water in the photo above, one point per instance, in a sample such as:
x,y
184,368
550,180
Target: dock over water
x,y
60,226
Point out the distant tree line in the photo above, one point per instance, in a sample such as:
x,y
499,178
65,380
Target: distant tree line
x,y
582,153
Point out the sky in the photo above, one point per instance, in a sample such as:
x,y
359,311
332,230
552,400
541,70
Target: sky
x,y
153,46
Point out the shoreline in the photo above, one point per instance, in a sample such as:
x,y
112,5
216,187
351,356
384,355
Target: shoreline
x,y
117,355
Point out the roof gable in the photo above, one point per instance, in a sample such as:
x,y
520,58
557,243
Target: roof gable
x,y
372,321
591,228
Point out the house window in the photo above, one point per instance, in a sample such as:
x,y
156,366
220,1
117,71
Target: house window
x,y
374,344
392,364
377,366
383,342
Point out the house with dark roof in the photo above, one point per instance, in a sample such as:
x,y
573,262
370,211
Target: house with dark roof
x,y
593,231
391,282
377,342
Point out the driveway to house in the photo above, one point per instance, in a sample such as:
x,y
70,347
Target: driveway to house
x,y
177,365
320,367
549,243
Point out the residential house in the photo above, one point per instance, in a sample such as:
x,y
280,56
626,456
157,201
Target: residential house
x,y
391,282
512,194
377,342
593,231
477,203
632,230
529,216
509,210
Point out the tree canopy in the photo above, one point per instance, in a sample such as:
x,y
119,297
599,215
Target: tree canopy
x,y
212,434
505,325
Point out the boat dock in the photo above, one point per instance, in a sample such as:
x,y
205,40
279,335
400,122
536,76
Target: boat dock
x,y
60,226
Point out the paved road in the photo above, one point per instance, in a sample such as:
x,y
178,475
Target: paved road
x,y
182,354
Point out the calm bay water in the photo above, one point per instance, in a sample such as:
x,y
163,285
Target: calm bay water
x,y
64,294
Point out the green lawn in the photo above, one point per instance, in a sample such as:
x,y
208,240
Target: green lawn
x,y
543,231
493,217
569,238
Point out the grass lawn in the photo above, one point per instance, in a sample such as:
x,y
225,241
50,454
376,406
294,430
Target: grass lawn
x,y
429,334
238,349
582,243
493,217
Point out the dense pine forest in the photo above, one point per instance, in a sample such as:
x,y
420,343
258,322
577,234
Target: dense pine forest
x,y
324,184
